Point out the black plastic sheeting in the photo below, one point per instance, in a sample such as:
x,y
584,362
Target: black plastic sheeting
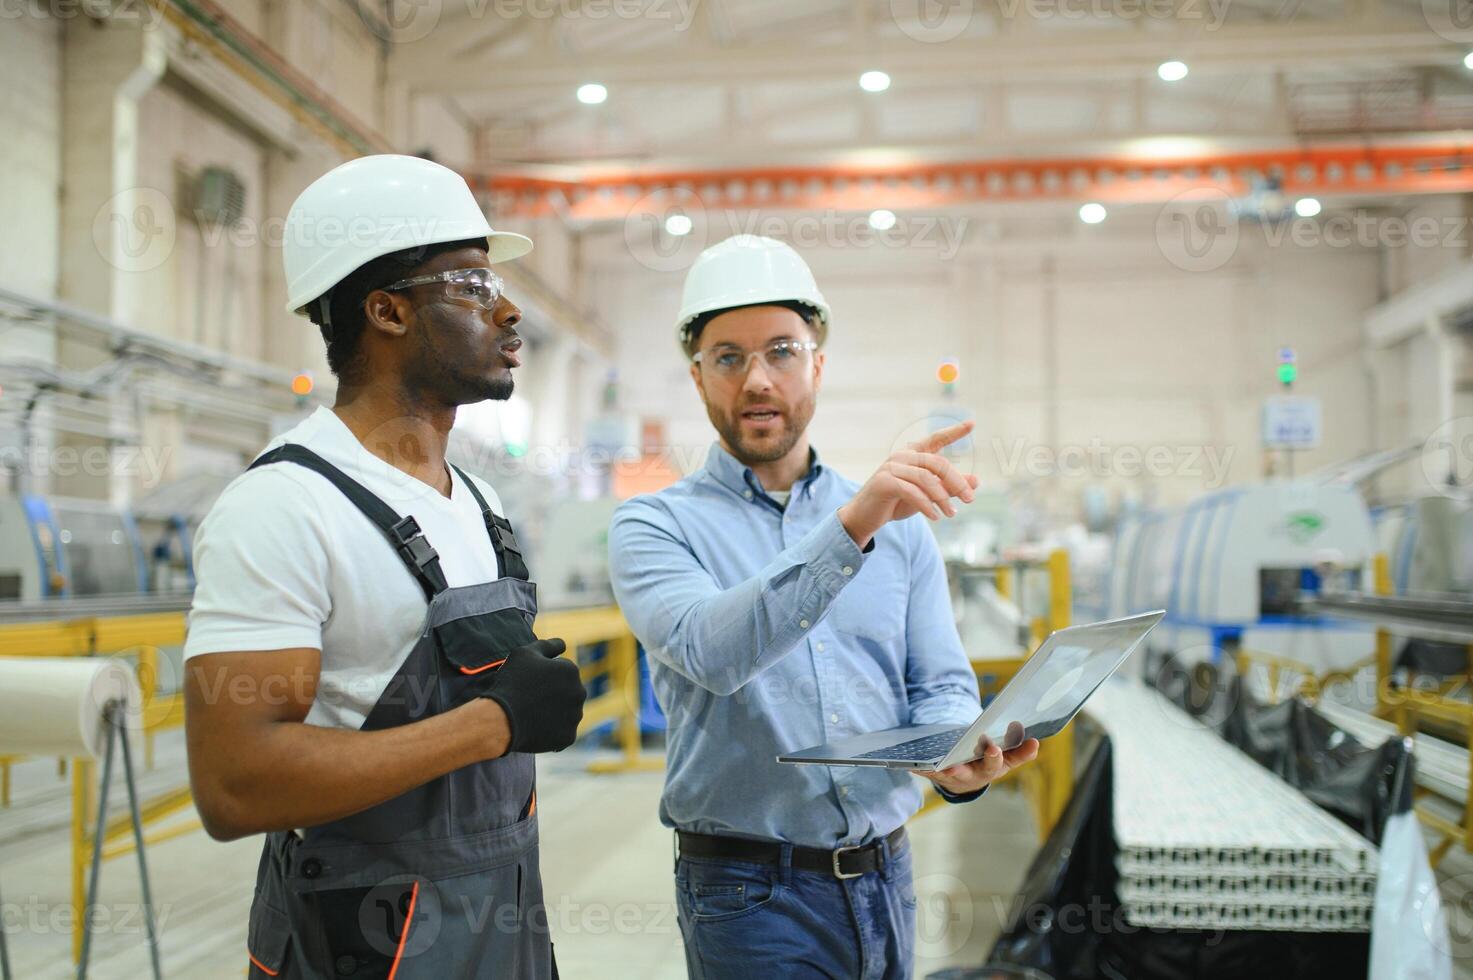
x,y
1070,925
1359,784
1434,657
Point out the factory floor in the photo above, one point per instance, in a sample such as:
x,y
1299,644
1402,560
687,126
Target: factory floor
x,y
605,864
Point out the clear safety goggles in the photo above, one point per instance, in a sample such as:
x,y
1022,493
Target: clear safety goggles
x,y
778,357
468,287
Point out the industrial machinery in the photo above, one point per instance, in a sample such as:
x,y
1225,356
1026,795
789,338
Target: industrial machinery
x,y
1428,537
1231,567
1429,542
59,547
572,553
65,548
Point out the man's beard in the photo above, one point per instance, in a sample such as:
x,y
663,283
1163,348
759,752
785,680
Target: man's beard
x,y
436,370
494,389
729,427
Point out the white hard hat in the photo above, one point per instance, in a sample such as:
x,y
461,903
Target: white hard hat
x,y
374,205
748,270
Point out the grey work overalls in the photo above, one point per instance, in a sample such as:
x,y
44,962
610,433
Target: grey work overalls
x,y
443,880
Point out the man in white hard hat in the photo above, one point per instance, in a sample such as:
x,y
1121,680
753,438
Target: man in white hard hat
x,y
363,685
784,606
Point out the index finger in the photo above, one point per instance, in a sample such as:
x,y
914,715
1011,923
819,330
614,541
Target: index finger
x,y
944,437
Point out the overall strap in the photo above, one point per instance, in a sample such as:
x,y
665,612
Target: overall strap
x,y
503,539
404,535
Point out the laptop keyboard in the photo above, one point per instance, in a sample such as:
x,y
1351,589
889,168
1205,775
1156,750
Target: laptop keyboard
x,y
919,749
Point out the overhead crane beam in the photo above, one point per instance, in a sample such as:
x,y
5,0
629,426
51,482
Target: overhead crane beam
x,y
1326,170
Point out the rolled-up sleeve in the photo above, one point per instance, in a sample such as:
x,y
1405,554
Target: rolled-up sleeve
x,y
721,638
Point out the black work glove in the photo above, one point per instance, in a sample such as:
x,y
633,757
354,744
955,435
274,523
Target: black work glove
x,y
542,694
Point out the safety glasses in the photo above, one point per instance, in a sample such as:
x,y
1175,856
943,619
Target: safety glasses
x,y
468,287
728,361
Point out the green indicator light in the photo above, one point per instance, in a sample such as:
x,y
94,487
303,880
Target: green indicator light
x,y
1287,373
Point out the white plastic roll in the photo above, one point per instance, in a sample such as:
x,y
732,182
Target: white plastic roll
x,y
54,706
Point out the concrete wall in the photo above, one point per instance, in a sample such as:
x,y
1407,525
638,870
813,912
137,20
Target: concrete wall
x,y
208,290
1424,380
30,155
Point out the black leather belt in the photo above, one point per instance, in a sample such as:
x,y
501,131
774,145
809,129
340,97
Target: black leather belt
x,y
844,862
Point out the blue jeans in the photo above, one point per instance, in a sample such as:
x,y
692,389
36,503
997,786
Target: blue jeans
x,y
768,921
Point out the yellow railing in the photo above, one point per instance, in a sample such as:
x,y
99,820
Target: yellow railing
x,y
619,704
1406,707
141,637
1047,782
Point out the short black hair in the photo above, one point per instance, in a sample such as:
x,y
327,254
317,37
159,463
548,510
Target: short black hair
x,y
345,339
693,331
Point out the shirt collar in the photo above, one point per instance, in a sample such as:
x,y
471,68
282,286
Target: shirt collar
x,y
735,475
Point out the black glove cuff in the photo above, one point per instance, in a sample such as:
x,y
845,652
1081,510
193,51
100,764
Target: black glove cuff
x,y
511,725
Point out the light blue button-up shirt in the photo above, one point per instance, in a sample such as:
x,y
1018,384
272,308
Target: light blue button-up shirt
x,y
769,631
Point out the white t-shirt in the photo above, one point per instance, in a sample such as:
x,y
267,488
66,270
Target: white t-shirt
x,y
285,560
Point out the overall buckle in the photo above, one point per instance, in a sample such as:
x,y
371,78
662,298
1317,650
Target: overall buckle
x,y
838,853
503,534
413,544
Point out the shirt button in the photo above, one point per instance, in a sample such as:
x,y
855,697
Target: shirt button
x,y
747,494
844,792
834,719
803,624
311,868
819,647
848,570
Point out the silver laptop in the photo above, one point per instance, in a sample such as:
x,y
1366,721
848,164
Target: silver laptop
x,y
1048,690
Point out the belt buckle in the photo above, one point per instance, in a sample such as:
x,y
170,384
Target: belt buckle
x,y
839,872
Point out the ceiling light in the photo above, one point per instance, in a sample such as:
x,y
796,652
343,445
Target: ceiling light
x,y
874,81
1172,71
1092,213
1307,207
882,219
592,93
677,225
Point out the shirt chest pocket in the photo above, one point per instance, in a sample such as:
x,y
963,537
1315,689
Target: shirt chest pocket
x,y
874,605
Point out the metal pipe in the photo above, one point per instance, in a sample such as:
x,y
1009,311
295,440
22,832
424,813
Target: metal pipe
x,y
153,936
210,23
125,338
97,838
